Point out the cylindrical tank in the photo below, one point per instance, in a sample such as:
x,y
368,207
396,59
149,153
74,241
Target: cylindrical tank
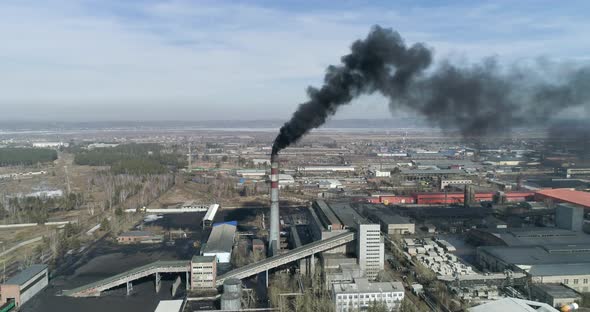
x,y
232,285
231,299
569,307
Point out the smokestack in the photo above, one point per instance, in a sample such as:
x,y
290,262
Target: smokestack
x,y
274,239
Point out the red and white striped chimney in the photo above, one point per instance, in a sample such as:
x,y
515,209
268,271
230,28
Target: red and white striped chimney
x,y
274,238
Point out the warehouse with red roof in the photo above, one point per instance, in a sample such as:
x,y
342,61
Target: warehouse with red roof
x,y
564,196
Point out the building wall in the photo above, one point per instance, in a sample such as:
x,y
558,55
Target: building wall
x,y
370,249
388,200
490,262
22,293
33,286
580,283
569,217
398,229
203,274
347,302
10,291
540,295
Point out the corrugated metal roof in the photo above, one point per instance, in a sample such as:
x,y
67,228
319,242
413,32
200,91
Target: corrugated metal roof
x,y
557,290
327,211
221,239
513,305
26,274
201,259
560,270
211,212
568,195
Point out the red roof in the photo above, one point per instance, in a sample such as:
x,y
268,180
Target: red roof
x,y
568,195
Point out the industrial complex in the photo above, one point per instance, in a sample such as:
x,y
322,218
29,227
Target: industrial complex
x,y
358,227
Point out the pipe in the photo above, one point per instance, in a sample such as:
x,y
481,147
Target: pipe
x,y
274,239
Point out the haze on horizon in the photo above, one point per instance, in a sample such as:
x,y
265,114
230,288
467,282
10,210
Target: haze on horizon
x,y
224,60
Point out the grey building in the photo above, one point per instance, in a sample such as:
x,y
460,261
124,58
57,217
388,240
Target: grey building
x,y
556,295
569,217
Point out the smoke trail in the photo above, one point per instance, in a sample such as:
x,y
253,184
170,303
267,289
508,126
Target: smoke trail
x,y
477,100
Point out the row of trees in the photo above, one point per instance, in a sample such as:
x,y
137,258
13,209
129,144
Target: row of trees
x,y
17,156
37,209
134,158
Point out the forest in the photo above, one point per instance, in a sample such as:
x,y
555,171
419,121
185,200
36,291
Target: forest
x,y
23,156
133,158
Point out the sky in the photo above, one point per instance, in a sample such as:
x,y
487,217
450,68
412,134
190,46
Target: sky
x,y
97,60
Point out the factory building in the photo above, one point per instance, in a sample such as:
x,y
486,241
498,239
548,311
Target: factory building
x,y
340,216
429,174
392,199
572,172
458,197
374,173
555,295
564,196
370,249
513,305
396,225
203,272
251,173
24,285
136,237
221,241
50,144
543,265
391,223
358,296
327,216
549,238
286,180
325,169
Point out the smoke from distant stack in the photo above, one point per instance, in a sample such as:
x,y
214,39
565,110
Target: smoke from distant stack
x,y
478,99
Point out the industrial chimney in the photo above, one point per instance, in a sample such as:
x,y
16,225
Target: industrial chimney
x,y
274,239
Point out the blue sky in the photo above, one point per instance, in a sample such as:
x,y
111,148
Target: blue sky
x,y
148,59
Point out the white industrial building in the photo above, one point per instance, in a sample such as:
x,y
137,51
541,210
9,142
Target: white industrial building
x,y
210,215
286,180
358,296
329,184
326,169
379,173
221,241
50,144
371,250
101,145
251,173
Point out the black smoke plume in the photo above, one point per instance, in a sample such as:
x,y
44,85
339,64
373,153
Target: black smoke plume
x,y
477,99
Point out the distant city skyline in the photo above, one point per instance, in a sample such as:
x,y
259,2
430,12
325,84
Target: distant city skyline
x,y
224,60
